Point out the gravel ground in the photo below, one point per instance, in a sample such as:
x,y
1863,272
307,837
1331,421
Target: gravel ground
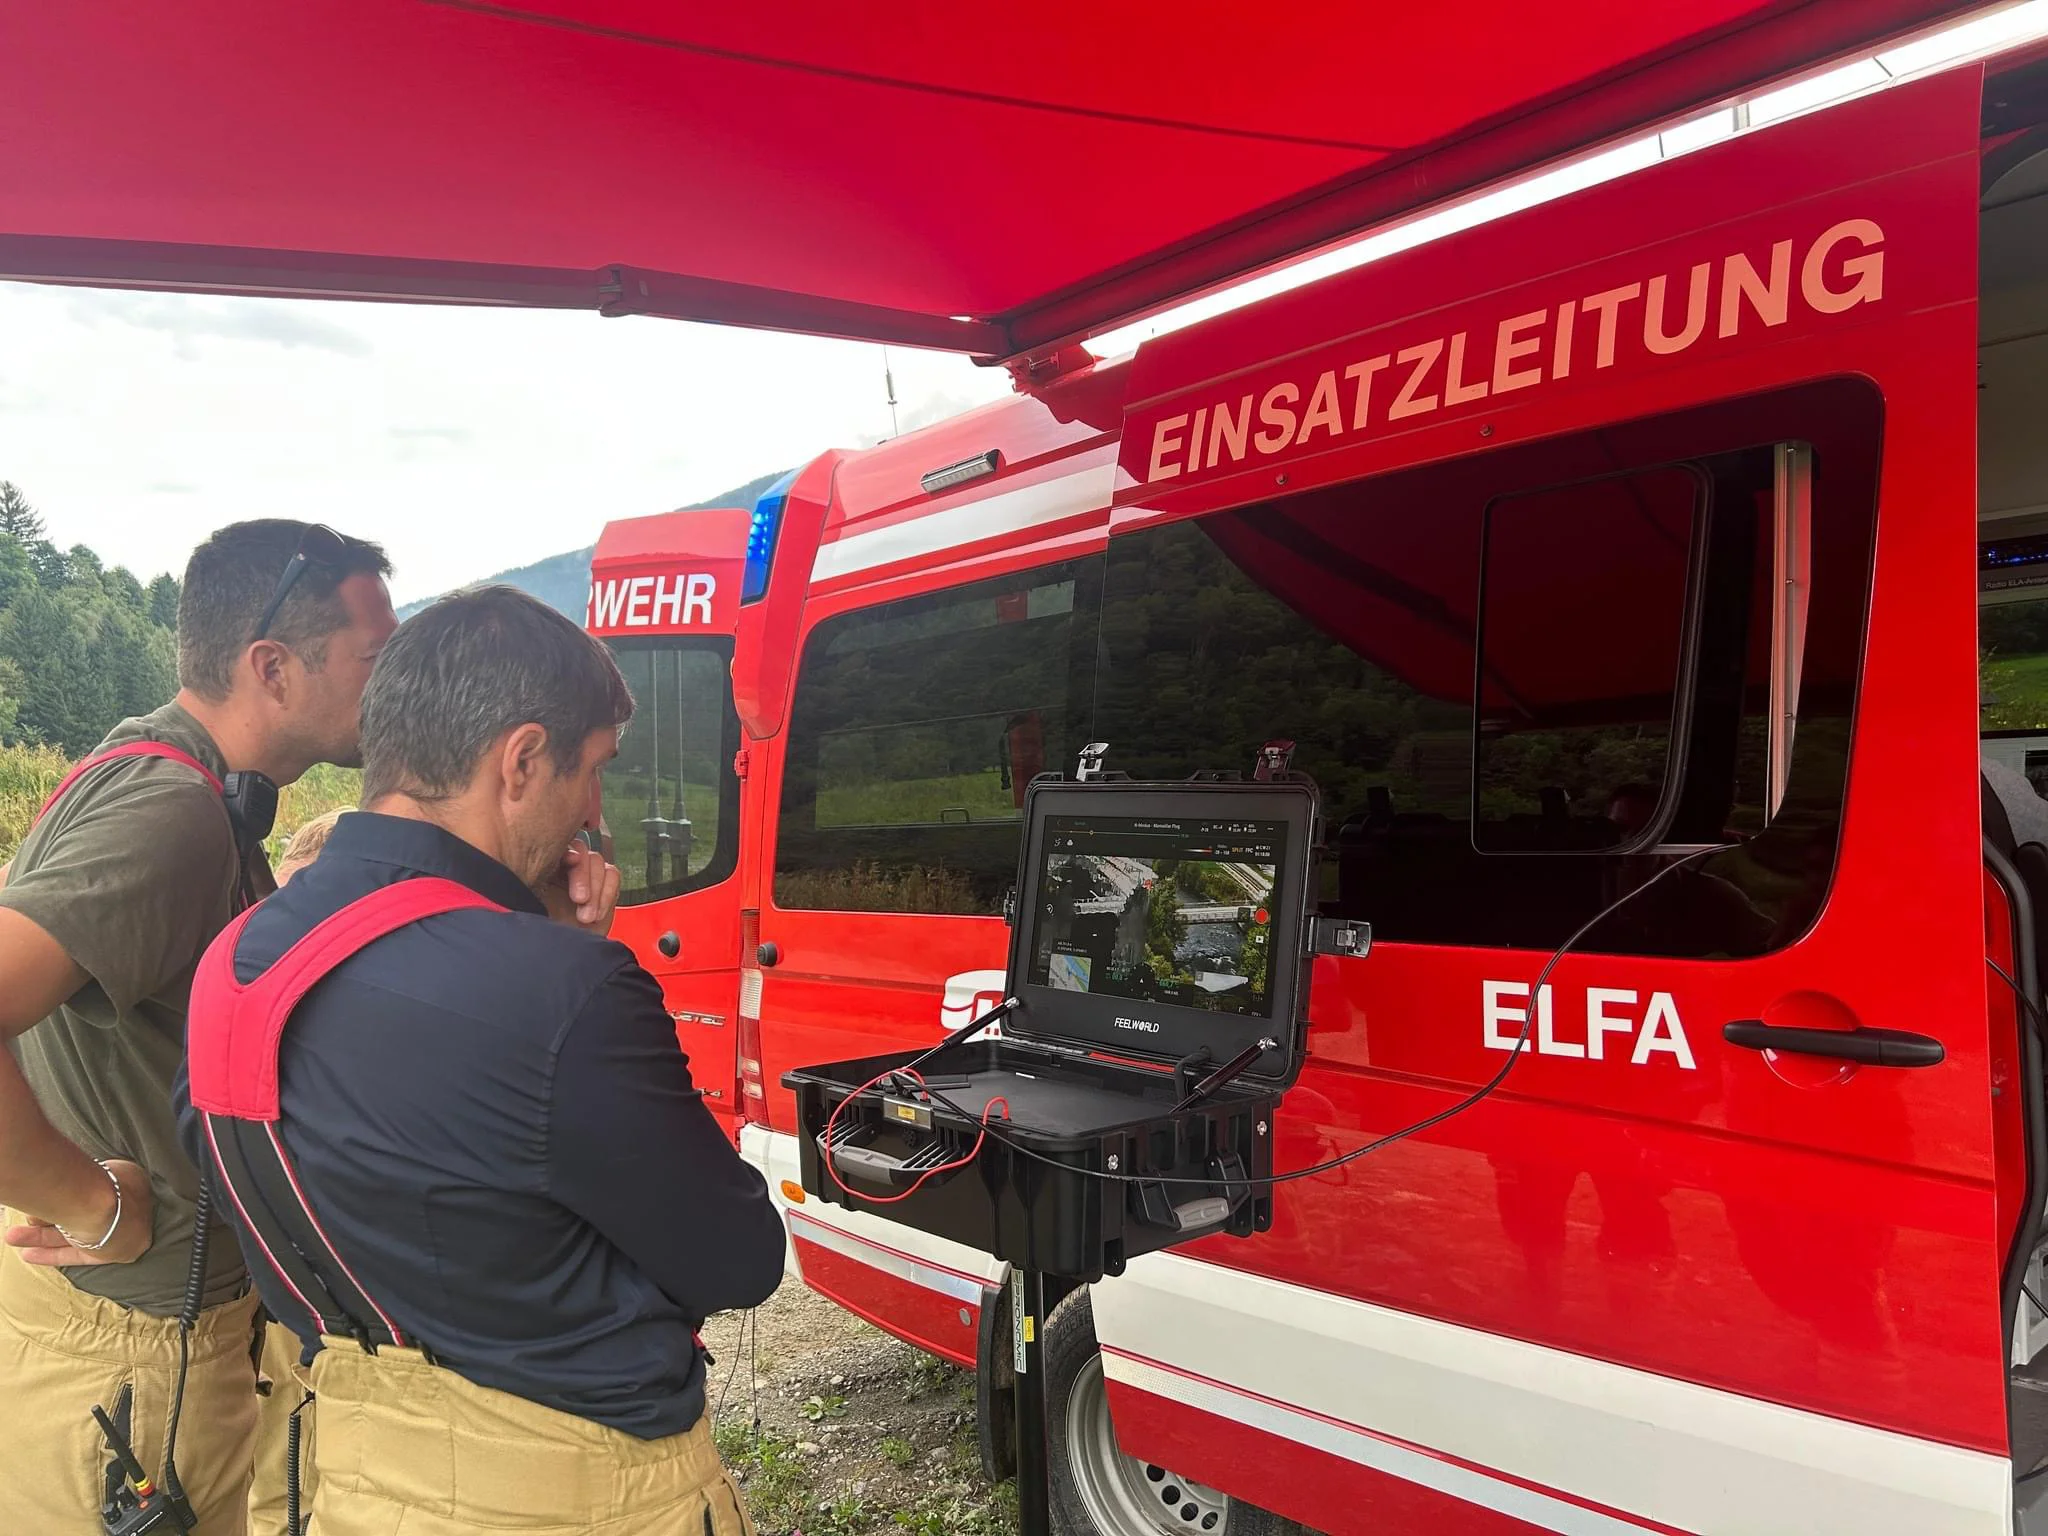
x,y
836,1429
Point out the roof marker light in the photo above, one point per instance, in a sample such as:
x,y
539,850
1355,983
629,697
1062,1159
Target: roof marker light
x,y
762,529
959,474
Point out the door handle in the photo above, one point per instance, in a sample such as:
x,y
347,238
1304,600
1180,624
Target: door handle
x,y
670,943
1871,1047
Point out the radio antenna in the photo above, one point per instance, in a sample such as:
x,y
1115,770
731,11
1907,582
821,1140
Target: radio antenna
x,y
889,384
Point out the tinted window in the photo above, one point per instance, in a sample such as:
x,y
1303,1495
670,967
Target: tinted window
x,y
671,800
1346,619
2013,667
915,729
2014,662
1573,747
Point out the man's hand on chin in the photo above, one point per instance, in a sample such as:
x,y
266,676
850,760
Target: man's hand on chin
x,y
584,892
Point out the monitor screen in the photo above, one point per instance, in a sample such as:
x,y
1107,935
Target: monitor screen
x,y
1158,909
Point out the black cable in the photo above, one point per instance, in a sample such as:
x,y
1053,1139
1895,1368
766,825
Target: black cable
x,y
188,1319
2041,1025
2026,1002
754,1377
292,1435
738,1353
1484,1091
958,1036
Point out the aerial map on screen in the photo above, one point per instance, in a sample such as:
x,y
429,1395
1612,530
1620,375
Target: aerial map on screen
x,y
1159,910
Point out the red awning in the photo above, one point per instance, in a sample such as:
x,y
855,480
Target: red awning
x,y
1041,168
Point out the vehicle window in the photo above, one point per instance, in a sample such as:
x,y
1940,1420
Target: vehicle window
x,y
1574,738
2013,660
915,729
671,799
1347,621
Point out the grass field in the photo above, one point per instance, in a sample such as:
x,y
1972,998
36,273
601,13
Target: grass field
x,y
2015,693
969,797
323,789
28,774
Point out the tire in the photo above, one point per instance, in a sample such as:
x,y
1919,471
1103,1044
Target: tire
x,y
1098,1490
995,1405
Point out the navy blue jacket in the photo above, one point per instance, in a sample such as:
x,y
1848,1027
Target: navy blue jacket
x,y
491,1117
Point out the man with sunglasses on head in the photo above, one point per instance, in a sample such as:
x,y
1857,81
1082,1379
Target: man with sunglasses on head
x,y
141,857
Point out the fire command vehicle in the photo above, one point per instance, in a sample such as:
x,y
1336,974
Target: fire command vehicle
x,y
1701,514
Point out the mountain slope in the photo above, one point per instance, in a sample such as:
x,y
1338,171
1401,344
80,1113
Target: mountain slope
x,y
563,581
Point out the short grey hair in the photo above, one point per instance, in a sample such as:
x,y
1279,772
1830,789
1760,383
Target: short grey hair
x,y
471,667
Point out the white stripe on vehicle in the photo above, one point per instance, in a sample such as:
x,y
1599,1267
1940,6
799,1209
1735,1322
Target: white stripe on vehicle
x,y
986,517
1395,1391
889,1261
1381,1454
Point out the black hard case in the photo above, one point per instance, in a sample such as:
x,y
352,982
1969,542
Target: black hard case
x,y
1074,1110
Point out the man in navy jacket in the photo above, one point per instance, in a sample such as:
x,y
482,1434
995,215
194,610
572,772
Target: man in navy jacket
x,y
489,1118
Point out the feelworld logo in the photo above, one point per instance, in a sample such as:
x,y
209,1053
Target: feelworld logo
x,y
1147,1025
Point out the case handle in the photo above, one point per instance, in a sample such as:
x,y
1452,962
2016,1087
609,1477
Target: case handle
x,y
1203,1211
855,1160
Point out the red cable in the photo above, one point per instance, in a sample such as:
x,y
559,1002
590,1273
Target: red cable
x,y
832,1169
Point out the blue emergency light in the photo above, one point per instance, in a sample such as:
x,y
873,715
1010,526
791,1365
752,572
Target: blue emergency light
x,y
761,531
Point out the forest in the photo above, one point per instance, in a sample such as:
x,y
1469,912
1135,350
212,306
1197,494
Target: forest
x,y
82,647
82,644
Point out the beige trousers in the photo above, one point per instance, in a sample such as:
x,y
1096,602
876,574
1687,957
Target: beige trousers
x,y
289,1383
61,1351
412,1448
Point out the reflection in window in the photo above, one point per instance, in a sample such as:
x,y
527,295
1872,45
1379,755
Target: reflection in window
x,y
1583,591
1344,619
670,796
916,727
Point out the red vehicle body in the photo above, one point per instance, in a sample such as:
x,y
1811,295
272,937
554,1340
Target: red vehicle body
x,y
665,594
1684,471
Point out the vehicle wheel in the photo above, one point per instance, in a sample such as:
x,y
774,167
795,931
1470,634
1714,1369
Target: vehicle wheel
x,y
1098,1490
995,1403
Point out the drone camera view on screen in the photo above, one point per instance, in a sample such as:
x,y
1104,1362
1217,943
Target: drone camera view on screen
x,y
1159,911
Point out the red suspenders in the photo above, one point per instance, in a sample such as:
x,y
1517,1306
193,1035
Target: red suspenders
x,y
232,1038
128,749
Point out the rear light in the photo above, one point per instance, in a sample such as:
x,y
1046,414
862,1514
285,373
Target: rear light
x,y
752,1090
753,1094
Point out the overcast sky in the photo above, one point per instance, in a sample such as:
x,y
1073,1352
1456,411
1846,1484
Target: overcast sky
x,y
464,440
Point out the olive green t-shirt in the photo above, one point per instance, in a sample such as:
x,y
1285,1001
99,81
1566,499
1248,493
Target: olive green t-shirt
x,y
133,872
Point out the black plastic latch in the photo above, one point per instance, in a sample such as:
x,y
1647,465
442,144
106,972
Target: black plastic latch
x,y
1342,937
1158,1208
1237,1185
1153,1204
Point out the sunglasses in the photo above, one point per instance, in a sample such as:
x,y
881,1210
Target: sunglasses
x,y
318,545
